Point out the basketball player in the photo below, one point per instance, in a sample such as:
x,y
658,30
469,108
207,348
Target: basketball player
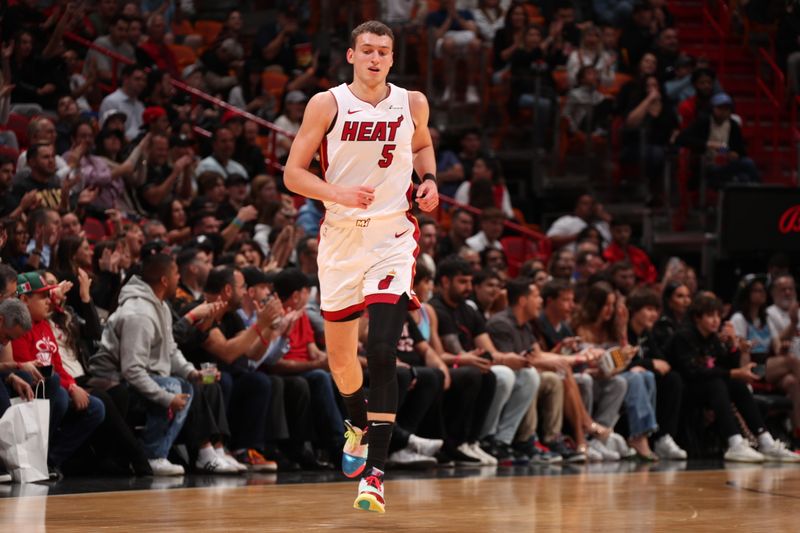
x,y
371,137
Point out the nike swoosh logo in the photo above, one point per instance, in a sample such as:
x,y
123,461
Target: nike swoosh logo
x,y
398,235
350,111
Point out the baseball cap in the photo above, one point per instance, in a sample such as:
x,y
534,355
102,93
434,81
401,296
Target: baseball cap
x,y
254,276
110,114
32,283
152,113
230,115
296,97
721,99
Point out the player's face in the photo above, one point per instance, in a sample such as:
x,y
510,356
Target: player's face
x,y
372,57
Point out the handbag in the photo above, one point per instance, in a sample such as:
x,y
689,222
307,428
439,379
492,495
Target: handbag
x,y
24,437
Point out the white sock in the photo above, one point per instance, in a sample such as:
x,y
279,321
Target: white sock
x,y
735,440
206,454
765,440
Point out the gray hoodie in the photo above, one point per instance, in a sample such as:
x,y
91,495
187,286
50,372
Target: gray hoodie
x,y
137,342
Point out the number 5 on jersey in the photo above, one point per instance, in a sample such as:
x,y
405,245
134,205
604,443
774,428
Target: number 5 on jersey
x,y
387,155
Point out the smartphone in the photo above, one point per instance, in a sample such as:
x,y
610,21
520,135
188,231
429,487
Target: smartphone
x,y
760,371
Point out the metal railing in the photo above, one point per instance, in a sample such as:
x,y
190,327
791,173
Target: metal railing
x,y
196,94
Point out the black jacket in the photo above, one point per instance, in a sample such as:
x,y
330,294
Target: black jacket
x,y
695,136
699,358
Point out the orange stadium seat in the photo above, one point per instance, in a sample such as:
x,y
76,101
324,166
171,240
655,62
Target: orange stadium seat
x,y
208,29
184,55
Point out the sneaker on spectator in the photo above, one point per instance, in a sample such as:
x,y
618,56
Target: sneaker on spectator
x,y
453,457
215,465
162,467
408,458
779,452
542,455
255,462
472,96
223,454
284,463
617,443
428,447
743,453
5,477
569,455
666,448
466,450
480,453
606,453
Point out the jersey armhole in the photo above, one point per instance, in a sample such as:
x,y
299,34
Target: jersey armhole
x,y
410,111
336,116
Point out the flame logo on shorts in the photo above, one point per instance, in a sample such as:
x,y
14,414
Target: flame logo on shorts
x,y
385,282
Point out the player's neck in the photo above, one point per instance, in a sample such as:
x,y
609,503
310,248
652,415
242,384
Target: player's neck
x,y
373,95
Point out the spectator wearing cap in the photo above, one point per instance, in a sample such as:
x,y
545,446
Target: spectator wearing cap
x,y
113,120
223,146
126,99
306,359
290,121
249,154
155,120
164,182
717,138
156,47
680,87
116,41
84,412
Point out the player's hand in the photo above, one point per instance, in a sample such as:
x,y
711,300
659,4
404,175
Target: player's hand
x,y
360,196
428,196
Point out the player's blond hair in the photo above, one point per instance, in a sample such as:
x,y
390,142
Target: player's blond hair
x,y
371,26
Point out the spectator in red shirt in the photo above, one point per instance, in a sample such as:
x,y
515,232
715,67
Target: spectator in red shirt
x,y
620,249
308,361
39,344
156,48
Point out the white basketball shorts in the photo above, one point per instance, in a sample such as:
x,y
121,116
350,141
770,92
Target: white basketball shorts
x,y
365,261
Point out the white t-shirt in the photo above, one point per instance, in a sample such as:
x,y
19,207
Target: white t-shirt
x,y
570,225
479,242
778,320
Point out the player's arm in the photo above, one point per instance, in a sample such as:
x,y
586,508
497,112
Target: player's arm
x,y
319,114
422,149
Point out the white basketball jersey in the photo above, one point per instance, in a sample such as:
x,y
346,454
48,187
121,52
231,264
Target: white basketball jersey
x,y
370,145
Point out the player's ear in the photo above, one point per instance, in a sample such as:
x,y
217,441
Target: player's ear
x,y
350,53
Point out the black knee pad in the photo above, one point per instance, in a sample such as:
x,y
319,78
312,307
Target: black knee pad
x,y
385,327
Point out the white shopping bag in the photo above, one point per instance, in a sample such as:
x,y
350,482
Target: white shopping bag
x,y
24,436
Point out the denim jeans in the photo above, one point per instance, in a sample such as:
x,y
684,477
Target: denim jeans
x,y
513,396
328,418
159,431
640,403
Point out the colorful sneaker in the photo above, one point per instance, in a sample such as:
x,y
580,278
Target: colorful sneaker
x,y
370,493
354,454
255,462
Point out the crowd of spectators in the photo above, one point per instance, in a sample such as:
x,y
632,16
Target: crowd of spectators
x,y
163,284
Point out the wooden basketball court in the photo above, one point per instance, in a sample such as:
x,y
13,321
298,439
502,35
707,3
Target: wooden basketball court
x,y
742,498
